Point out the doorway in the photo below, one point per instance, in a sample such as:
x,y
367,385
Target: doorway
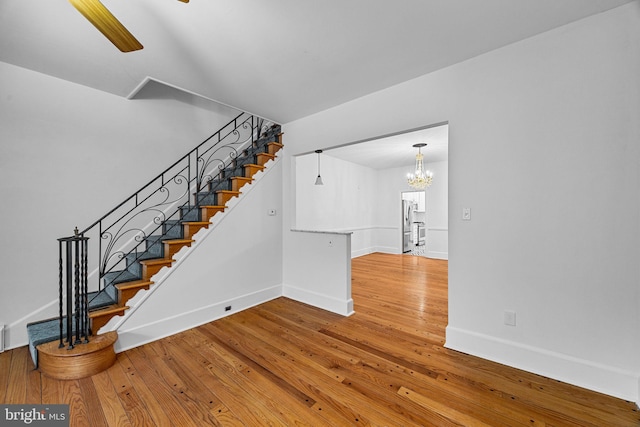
x,y
414,224
366,180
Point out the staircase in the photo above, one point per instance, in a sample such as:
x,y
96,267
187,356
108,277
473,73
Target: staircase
x,y
132,255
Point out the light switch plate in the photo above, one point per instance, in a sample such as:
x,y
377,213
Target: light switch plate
x,y
466,214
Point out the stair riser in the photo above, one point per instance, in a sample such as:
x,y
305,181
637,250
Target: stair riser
x,y
172,249
273,148
208,213
155,246
110,279
251,170
111,291
263,158
223,198
83,361
237,184
171,230
190,213
191,229
98,322
133,266
219,185
149,270
206,199
126,294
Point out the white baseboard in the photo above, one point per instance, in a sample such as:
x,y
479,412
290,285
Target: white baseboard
x,y
140,335
579,372
361,252
387,250
334,305
437,255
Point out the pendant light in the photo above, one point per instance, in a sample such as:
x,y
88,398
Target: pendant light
x,y
319,178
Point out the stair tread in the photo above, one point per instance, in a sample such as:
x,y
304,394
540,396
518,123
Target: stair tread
x,y
107,310
170,240
134,284
155,261
228,191
202,223
178,241
96,343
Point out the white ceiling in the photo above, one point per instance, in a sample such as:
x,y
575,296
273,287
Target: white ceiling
x,y
282,59
397,150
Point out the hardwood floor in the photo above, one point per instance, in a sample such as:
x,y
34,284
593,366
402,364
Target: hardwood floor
x,y
284,363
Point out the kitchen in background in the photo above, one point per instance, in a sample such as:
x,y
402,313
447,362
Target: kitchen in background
x,y
413,222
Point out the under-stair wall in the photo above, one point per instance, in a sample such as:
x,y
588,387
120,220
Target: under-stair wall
x,y
236,262
69,154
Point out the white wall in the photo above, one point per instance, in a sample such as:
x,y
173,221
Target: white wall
x,y
348,187
318,270
236,262
68,155
346,202
437,221
544,148
316,266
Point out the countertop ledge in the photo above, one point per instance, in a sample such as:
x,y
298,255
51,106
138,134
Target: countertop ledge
x,y
322,231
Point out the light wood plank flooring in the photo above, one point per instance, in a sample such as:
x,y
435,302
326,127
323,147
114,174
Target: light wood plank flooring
x,y
287,364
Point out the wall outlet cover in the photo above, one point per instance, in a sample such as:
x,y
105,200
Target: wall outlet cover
x,y
510,318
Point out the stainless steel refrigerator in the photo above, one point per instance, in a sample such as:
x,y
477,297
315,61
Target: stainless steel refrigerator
x,y
408,209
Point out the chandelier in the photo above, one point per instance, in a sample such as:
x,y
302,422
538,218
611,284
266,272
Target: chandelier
x,y
420,179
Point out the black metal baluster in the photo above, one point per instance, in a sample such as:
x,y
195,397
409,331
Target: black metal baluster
x,y
100,255
60,293
69,294
76,282
85,289
198,180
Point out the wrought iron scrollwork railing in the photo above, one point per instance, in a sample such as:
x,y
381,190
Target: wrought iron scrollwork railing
x,y
121,236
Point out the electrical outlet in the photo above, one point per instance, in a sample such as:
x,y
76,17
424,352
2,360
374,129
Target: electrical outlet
x,y
330,243
227,308
510,318
272,212
466,214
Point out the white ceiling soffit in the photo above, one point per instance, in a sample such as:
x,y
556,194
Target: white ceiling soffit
x,y
397,150
282,59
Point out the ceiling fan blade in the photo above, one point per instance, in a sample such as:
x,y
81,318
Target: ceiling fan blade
x,y
107,24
